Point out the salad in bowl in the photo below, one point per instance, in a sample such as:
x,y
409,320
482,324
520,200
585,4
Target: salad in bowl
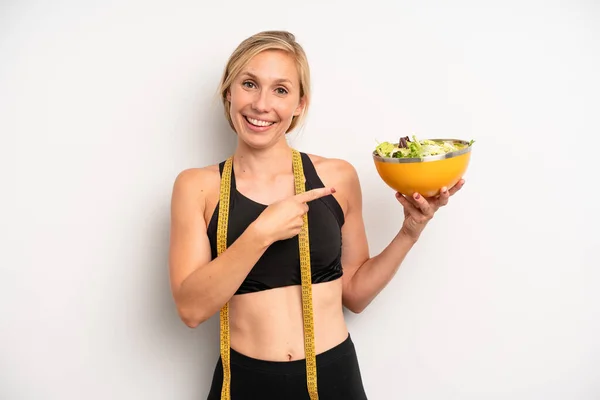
x,y
423,166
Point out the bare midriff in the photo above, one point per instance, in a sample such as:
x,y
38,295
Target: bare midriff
x,y
268,325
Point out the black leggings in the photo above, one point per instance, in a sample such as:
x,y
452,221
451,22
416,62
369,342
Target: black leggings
x,y
338,377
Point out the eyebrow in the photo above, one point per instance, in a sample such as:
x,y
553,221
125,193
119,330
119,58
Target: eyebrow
x,y
281,80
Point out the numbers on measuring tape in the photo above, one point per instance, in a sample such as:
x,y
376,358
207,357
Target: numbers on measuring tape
x,y
305,273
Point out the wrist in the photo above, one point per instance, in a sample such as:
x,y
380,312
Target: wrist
x,y
406,236
258,235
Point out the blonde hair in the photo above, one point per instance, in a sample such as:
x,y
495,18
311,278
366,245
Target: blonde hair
x,y
255,44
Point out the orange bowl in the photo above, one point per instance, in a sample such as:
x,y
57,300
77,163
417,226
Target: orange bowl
x,y
424,175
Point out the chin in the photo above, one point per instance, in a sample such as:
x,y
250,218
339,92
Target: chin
x,y
259,142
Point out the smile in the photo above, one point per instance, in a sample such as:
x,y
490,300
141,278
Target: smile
x,y
258,122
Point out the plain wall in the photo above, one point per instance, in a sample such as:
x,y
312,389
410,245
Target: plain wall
x,y
102,105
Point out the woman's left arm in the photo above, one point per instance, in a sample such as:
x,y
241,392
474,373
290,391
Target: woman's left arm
x,y
365,276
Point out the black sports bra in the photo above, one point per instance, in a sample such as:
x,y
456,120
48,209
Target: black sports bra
x,y
280,264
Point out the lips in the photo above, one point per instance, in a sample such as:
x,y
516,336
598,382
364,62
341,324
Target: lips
x,y
258,122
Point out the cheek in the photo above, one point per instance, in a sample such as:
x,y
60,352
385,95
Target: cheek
x,y
238,97
287,109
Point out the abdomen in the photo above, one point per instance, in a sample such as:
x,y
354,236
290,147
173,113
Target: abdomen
x,y
268,325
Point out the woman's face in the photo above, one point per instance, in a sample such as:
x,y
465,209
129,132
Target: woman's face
x,y
264,97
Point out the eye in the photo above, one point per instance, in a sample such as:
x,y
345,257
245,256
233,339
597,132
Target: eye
x,y
248,84
281,90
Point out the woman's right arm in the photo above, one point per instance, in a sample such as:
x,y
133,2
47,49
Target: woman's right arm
x,y
200,286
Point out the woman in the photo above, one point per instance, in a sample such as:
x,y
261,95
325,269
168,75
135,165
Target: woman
x,y
255,278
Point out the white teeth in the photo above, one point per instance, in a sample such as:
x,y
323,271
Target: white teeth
x,y
258,122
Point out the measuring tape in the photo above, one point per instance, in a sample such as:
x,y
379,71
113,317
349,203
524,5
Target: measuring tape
x,y
307,304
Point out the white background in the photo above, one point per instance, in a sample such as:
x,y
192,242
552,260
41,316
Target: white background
x,y
102,105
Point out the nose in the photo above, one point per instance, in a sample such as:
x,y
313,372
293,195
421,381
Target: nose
x,y
261,101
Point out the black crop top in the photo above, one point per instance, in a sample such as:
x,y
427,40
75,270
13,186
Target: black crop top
x,y
280,264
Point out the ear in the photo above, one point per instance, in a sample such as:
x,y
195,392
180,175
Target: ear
x,y
228,95
300,107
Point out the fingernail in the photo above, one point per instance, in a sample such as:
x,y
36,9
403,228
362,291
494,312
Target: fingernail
x,y
444,190
417,196
332,190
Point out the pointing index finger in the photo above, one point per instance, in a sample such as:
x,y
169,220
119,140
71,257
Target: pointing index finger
x,y
314,194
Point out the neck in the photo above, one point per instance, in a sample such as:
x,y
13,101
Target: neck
x,y
269,161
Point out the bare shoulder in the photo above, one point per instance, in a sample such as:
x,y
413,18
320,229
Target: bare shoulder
x,y
194,186
197,179
334,171
340,174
